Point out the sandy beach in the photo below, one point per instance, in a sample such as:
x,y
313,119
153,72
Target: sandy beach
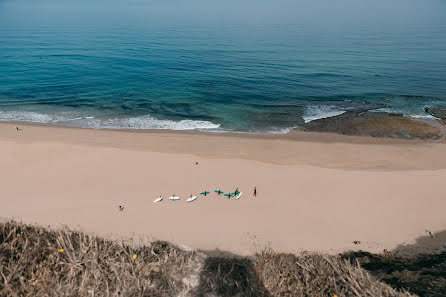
x,y
315,191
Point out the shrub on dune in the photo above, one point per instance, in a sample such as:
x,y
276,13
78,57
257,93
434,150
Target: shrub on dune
x,y
35,261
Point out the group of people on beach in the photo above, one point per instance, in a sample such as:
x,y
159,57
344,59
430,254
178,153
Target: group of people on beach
x,y
254,194
192,197
236,192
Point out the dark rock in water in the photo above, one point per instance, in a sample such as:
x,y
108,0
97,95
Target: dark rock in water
x,y
376,124
437,111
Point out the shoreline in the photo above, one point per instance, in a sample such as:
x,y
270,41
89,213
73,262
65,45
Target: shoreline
x,y
364,123
293,143
293,135
315,193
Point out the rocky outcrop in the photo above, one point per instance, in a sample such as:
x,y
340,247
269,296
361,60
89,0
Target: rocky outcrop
x,y
376,124
437,111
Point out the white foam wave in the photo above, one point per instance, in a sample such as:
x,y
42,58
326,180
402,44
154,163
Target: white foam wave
x,y
25,116
141,122
149,122
386,109
316,112
281,130
421,114
418,116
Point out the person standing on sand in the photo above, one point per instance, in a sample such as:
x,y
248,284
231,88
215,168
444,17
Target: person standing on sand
x,y
255,191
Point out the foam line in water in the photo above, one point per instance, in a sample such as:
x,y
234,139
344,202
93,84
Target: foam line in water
x,y
416,114
316,112
25,116
281,130
141,122
149,122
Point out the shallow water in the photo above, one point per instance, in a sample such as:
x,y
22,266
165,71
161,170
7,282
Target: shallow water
x,y
242,78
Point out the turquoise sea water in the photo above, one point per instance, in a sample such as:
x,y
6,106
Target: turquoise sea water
x,y
239,78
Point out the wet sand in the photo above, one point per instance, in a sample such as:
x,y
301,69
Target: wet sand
x,y
315,191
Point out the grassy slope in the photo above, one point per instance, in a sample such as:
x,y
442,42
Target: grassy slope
x,y
40,262
424,274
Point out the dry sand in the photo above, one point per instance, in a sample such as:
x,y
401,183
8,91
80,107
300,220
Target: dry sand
x,y
315,191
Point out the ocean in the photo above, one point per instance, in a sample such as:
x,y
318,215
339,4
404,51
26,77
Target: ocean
x,y
253,78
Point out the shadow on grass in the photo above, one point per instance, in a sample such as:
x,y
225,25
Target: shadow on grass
x,y
225,274
419,268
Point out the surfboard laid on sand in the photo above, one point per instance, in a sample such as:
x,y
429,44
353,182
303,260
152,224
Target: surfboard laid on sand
x,y
190,199
174,198
158,199
238,196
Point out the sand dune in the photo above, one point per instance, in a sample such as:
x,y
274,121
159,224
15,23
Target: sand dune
x,y
315,191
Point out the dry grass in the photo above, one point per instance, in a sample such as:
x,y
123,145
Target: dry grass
x,y
35,261
421,273
317,275
38,262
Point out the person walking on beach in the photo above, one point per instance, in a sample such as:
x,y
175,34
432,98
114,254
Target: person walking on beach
x,y
255,191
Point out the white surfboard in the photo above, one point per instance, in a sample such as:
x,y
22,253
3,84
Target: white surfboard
x,y
190,199
158,199
238,196
174,198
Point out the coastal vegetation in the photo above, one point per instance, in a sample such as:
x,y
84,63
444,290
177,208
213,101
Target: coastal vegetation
x,y
38,261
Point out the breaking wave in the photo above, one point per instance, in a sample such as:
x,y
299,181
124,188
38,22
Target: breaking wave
x,y
140,122
316,112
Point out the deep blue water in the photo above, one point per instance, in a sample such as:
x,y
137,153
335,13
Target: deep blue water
x,y
243,78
